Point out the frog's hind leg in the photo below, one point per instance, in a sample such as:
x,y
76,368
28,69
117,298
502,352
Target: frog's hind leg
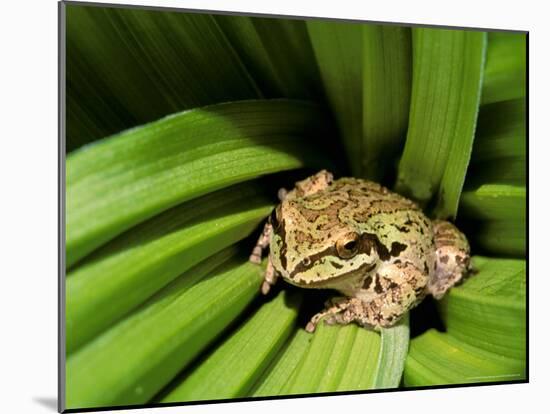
x,y
452,258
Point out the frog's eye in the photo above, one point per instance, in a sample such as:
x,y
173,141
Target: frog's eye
x,y
348,246
274,217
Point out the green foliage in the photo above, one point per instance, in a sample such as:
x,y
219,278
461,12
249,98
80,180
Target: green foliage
x,y
245,354
366,74
144,171
161,301
486,330
132,361
447,76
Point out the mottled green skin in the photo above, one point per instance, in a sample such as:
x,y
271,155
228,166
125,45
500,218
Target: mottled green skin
x,y
394,262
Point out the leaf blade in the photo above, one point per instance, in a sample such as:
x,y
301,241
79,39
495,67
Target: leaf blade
x,y
232,368
130,177
119,367
130,269
447,73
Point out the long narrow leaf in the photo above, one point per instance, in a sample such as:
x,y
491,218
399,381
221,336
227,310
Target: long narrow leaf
x,y
499,154
339,358
505,70
132,361
393,352
436,358
128,178
128,270
126,67
498,214
447,75
486,333
367,77
278,54
231,370
386,96
283,368
488,311
338,51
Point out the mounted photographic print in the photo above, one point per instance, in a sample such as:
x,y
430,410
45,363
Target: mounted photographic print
x,y
270,206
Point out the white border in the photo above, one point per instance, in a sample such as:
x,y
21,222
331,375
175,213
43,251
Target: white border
x,y
28,171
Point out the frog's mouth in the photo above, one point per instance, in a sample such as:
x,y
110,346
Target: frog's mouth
x,y
330,282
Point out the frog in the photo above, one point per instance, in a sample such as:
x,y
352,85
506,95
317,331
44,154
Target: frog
x,y
375,247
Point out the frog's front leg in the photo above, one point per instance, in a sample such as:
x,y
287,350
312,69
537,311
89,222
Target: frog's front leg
x,y
334,306
270,276
383,299
452,258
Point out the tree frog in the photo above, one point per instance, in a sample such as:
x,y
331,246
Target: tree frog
x,y
370,244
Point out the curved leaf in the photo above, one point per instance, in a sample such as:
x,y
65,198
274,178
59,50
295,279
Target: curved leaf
x,y
348,358
447,75
436,358
486,334
366,75
125,272
277,54
127,67
132,361
387,79
232,368
283,367
489,310
499,217
393,352
499,154
505,70
339,358
128,178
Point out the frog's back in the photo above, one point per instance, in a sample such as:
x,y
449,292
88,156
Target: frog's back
x,y
369,199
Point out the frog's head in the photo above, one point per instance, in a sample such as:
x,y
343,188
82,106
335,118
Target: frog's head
x,y
313,245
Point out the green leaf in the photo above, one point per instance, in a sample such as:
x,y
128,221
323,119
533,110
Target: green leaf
x,y
277,54
347,358
387,82
126,67
125,272
447,76
232,368
393,352
498,214
499,154
505,69
486,338
494,202
366,75
132,361
283,367
489,310
128,178
339,358
436,358
338,51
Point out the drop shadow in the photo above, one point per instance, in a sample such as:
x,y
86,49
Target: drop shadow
x,y
48,402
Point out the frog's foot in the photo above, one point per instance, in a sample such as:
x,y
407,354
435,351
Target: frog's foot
x,y
310,185
452,258
384,298
333,307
